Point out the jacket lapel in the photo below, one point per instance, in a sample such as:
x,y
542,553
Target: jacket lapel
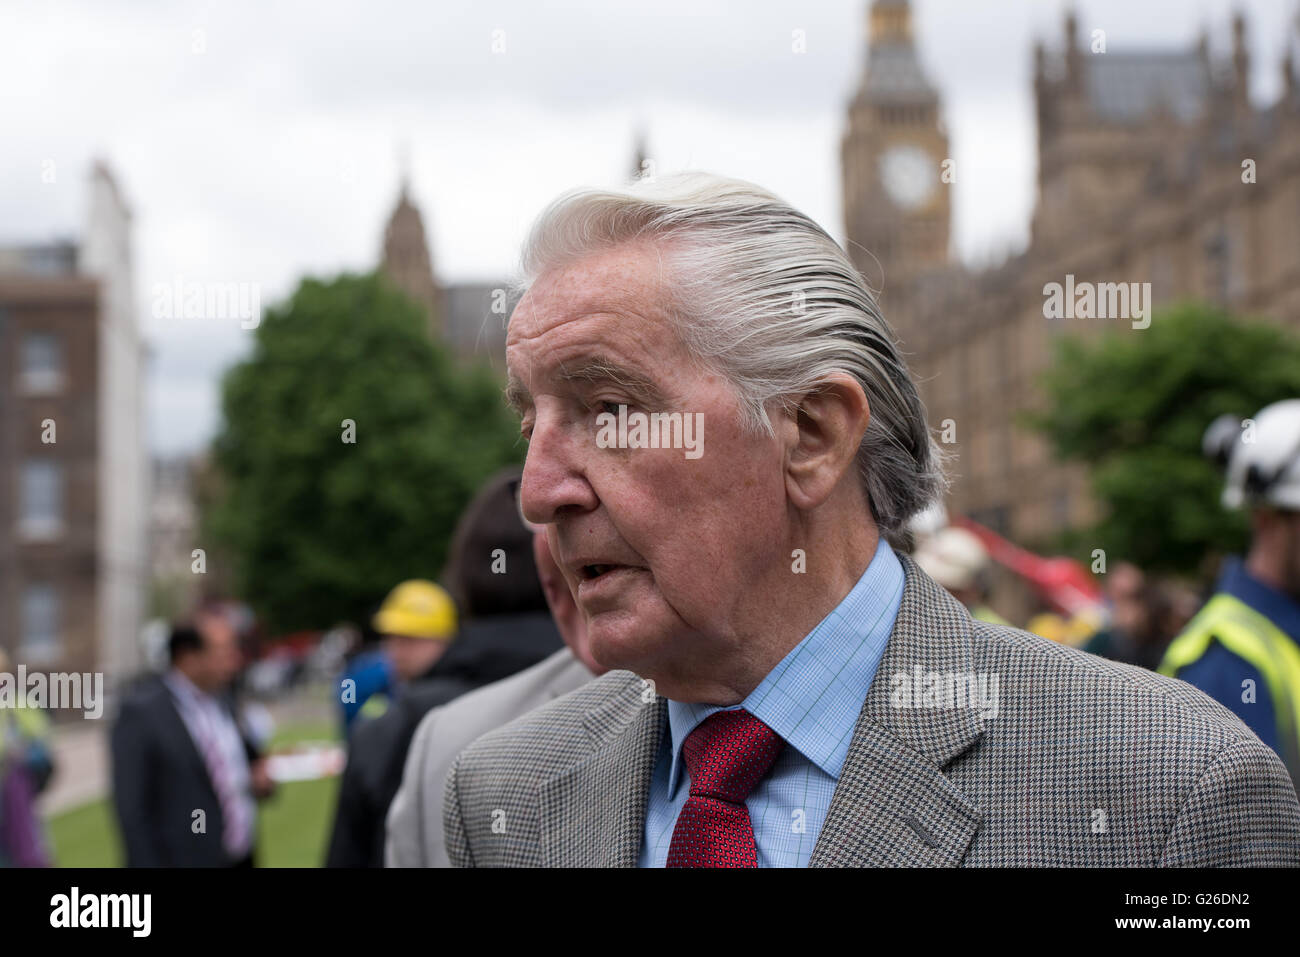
x,y
893,805
593,813
183,743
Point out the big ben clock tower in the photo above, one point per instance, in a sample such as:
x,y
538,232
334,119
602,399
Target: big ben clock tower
x,y
896,206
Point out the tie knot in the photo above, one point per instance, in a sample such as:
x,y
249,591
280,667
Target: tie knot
x,y
728,753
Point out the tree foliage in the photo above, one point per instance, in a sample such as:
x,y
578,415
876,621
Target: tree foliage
x,y
1133,406
319,529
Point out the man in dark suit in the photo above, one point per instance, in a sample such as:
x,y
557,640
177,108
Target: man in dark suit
x,y
185,774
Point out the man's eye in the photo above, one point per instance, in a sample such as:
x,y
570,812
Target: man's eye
x,y
612,407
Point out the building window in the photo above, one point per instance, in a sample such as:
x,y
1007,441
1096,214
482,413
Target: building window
x,y
41,641
1004,448
1225,266
40,513
1061,510
41,369
1162,283
1235,289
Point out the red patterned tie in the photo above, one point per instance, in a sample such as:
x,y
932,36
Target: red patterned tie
x,y
726,755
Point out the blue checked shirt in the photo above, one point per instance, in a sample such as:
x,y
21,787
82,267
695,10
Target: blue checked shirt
x,y
812,700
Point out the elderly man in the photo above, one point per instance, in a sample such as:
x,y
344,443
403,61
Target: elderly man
x,y
790,690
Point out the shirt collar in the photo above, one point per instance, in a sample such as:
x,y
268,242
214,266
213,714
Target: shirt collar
x,y
813,697
1273,604
183,688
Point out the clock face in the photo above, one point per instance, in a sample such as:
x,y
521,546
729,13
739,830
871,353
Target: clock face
x,y
910,175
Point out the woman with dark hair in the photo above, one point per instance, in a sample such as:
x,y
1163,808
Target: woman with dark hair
x,y
505,627
490,569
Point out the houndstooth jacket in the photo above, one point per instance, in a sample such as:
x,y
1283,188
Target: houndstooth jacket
x,y
1085,763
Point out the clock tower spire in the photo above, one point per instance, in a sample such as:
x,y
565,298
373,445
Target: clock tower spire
x,y
896,207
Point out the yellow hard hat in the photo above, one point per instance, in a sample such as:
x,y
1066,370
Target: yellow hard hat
x,y
1082,626
1048,625
417,609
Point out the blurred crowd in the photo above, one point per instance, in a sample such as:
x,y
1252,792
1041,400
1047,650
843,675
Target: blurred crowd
x,y
1239,641
1133,622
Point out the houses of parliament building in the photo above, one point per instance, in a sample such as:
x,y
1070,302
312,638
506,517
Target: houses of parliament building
x,y
1141,178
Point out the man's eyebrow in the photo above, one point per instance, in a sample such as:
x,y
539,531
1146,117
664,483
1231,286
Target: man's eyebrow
x,y
599,370
517,395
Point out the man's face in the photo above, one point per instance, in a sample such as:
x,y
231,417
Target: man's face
x,y
564,609
662,552
412,657
220,659
1291,573
1127,595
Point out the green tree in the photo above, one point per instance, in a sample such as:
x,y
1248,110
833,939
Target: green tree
x,y
319,528
1134,406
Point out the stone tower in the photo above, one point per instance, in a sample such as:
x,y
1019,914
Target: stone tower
x,y
896,207
1114,126
406,259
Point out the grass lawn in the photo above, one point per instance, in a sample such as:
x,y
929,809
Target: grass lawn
x,y
293,826
85,837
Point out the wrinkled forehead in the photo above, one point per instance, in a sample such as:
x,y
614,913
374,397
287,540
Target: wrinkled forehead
x,y
626,278
613,302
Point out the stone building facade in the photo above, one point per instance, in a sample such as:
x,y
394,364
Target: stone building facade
x,y
73,480
1152,167
468,317
406,260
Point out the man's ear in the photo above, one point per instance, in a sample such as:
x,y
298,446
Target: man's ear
x,y
828,425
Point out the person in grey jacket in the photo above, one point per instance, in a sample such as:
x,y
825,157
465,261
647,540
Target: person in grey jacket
x,y
506,627
414,827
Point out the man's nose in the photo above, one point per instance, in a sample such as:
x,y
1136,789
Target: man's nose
x,y
554,480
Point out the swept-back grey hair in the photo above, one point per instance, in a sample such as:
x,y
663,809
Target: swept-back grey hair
x,y
766,297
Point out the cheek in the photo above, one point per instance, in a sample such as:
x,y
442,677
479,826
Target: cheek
x,y
704,528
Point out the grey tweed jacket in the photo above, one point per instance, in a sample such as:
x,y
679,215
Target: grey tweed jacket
x,y
414,835
1086,763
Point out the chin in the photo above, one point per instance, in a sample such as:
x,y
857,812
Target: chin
x,y
622,641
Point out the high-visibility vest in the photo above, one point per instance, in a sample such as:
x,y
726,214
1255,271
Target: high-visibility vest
x,y
21,723
987,614
1253,638
373,706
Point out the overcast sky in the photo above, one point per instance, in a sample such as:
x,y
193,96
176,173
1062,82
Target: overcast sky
x,y
260,142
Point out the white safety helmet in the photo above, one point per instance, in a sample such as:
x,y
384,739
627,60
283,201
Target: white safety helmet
x,y
1262,455
954,557
927,522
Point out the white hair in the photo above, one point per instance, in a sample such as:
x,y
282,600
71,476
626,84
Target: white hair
x,y
766,297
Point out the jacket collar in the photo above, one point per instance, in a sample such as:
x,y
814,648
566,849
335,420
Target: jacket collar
x,y
611,787
893,805
175,728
